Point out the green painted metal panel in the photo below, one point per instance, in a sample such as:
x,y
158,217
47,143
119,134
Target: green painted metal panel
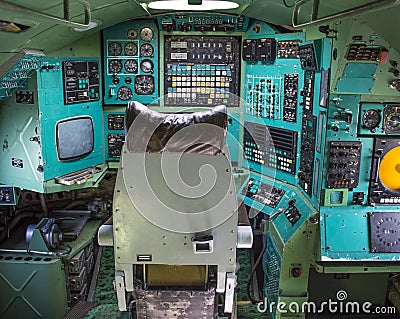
x,y
28,131
32,287
357,78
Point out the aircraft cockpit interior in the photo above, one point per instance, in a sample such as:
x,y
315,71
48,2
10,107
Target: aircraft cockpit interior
x,y
200,159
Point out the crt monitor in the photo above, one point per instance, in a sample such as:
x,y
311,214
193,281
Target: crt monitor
x,y
75,138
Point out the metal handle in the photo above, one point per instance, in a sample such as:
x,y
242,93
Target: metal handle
x,y
47,17
369,7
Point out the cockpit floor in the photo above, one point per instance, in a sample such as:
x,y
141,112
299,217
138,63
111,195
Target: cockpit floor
x,y
107,300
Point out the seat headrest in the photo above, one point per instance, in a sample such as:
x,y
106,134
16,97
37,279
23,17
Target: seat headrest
x,y
148,131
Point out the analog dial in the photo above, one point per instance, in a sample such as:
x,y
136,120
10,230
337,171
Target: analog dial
x,y
114,49
144,85
131,66
115,66
147,50
147,66
124,93
392,119
130,49
132,34
146,34
371,119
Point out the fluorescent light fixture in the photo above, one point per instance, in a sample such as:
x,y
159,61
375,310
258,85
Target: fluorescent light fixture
x,y
184,5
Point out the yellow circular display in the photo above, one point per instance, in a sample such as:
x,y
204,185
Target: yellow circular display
x,y
389,170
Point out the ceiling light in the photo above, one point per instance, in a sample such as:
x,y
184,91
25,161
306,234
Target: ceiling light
x,y
184,5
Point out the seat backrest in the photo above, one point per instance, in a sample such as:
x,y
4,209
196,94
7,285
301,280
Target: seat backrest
x,y
147,131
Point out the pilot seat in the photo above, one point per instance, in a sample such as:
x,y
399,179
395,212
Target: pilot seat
x,y
175,216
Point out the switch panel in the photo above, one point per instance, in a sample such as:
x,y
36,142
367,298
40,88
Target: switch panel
x,y
201,71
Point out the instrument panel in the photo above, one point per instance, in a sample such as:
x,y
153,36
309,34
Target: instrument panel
x,y
131,62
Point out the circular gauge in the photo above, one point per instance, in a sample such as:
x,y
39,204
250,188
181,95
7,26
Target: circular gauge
x,y
131,66
132,34
147,66
130,49
146,34
115,66
371,119
392,119
146,50
114,49
389,169
124,93
144,85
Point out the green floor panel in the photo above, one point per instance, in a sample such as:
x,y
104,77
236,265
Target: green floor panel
x,y
105,289
107,311
243,258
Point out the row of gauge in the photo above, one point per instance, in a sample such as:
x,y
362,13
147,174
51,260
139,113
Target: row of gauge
x,y
131,49
130,66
